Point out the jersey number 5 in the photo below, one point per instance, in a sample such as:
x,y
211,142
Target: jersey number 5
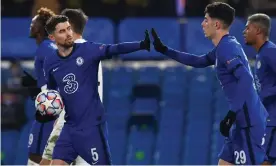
x,y
71,83
95,155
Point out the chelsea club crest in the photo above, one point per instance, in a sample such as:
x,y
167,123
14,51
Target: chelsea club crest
x,y
79,61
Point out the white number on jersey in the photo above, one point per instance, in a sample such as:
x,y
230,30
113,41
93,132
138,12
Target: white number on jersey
x,y
71,83
240,157
95,155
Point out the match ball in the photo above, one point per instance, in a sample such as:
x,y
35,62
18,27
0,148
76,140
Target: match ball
x,y
49,102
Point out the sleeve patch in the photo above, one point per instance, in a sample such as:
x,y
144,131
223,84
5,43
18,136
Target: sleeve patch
x,y
231,60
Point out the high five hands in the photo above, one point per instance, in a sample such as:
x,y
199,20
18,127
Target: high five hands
x,y
157,43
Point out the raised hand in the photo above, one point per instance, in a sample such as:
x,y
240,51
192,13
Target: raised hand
x,y
157,43
145,44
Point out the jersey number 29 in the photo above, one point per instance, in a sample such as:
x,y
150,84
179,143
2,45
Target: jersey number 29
x,y
240,157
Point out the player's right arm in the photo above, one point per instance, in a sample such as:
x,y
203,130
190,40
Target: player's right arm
x,y
38,64
47,70
198,61
49,84
30,82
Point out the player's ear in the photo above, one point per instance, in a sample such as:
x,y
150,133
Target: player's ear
x,y
51,37
258,30
217,25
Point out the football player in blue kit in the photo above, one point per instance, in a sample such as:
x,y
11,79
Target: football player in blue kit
x,y
77,20
40,131
74,70
245,123
256,34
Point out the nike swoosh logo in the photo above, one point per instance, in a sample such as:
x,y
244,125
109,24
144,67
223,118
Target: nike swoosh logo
x,y
93,163
55,69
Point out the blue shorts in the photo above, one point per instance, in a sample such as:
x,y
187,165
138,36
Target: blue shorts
x,y
245,146
91,144
270,143
38,137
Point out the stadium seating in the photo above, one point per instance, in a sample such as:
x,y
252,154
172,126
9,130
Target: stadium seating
x,y
117,135
186,37
140,146
14,37
9,144
4,76
133,29
100,30
168,142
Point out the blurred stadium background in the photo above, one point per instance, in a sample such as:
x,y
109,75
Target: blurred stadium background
x,y
159,111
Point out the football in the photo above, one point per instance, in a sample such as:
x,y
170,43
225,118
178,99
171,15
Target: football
x,y
49,102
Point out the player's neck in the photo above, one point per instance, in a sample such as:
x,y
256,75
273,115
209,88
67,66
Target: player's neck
x,y
219,36
259,43
39,39
77,36
63,51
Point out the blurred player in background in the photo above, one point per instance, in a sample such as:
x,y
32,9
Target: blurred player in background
x,y
40,131
256,34
78,20
245,123
74,71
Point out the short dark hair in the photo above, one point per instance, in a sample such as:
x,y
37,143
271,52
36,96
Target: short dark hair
x,y
53,21
221,11
263,21
43,15
77,19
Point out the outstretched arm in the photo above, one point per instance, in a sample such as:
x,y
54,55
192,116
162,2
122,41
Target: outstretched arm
x,y
123,48
198,61
107,51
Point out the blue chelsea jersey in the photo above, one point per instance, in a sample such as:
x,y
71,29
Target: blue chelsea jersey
x,y
265,78
76,77
234,74
265,69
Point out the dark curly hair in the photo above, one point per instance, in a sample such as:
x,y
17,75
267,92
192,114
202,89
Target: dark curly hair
x,y
44,14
